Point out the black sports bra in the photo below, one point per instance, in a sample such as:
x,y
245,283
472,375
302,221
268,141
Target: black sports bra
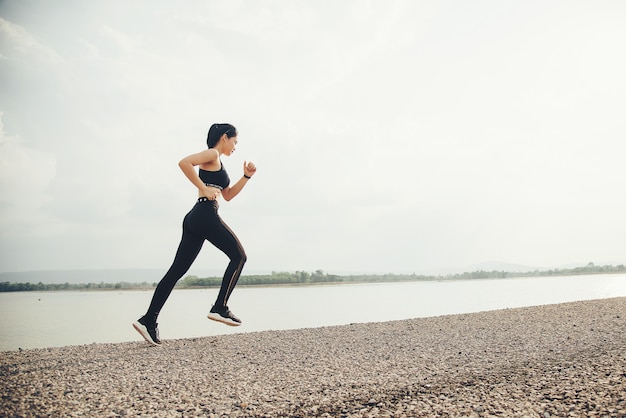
x,y
217,179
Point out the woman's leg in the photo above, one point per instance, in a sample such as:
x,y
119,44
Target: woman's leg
x,y
188,249
224,239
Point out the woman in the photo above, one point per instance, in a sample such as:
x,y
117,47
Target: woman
x,y
204,223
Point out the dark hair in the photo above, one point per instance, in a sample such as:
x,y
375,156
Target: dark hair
x,y
217,130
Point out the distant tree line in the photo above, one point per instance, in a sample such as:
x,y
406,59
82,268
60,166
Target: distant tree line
x,y
316,277
302,277
22,287
276,278
590,268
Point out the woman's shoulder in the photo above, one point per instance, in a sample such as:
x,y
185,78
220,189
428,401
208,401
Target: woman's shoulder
x,y
211,154
210,159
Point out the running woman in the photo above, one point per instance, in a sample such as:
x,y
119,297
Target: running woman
x,y
204,223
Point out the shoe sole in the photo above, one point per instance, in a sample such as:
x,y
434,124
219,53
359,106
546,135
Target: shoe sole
x,y
219,318
144,333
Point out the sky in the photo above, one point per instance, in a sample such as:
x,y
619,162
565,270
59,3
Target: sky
x,y
389,136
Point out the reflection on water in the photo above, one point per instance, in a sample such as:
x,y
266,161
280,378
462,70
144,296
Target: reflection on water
x,y
50,319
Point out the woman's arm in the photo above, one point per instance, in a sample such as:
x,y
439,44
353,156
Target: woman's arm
x,y
188,165
231,191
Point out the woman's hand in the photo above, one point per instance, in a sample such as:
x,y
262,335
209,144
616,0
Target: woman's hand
x,y
211,193
249,169
231,191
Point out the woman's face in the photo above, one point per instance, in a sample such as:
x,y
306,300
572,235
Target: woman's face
x,y
231,143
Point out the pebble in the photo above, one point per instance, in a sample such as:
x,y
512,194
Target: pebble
x,y
512,362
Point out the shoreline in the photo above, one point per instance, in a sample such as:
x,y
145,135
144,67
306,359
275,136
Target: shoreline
x,y
550,360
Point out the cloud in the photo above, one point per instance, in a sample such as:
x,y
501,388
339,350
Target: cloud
x,y
18,44
25,177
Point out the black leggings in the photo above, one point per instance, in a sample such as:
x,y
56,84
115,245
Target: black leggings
x,y
201,223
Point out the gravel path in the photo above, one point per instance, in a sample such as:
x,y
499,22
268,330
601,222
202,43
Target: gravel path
x,y
556,360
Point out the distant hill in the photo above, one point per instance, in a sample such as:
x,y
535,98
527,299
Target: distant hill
x,y
503,266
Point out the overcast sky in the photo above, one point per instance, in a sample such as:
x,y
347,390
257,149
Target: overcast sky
x,y
389,136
